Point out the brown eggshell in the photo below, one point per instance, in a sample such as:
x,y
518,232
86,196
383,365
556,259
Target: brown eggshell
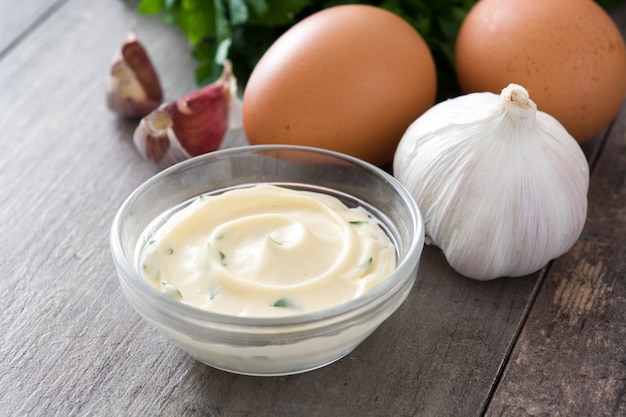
x,y
350,78
568,54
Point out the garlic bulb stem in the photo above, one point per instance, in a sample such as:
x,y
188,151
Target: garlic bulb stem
x,y
516,100
159,120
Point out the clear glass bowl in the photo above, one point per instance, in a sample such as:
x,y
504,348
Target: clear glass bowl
x,y
269,346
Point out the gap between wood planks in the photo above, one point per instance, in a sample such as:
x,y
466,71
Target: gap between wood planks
x,y
32,27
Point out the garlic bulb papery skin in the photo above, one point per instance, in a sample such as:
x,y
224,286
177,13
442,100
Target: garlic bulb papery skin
x,y
191,125
133,86
502,186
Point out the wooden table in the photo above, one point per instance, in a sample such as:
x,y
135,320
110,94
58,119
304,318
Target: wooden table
x,y
552,343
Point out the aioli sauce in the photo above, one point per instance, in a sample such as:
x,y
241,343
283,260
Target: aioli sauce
x,y
267,251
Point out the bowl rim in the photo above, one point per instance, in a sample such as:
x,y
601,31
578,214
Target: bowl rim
x,y
401,274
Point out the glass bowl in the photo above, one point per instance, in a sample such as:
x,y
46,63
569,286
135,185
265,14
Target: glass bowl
x,y
276,345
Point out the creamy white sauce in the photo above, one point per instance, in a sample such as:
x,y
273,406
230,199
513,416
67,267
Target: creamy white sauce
x,y
267,251
277,359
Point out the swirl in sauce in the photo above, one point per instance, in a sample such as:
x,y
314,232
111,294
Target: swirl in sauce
x,y
267,251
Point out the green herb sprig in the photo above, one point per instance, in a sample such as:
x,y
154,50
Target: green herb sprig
x,y
242,30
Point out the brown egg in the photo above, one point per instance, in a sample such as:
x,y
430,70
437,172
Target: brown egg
x,y
350,78
568,54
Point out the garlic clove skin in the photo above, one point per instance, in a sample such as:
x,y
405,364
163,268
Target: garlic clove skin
x,y
133,86
502,186
192,125
155,139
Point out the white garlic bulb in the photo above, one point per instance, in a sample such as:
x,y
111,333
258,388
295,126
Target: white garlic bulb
x,y
502,186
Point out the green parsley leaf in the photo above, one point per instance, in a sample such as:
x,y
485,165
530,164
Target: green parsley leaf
x,y
197,20
283,303
242,30
150,6
238,11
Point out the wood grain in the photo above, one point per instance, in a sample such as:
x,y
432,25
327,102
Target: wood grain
x,y
18,19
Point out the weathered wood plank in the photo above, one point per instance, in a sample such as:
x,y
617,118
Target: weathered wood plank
x,y
66,164
570,358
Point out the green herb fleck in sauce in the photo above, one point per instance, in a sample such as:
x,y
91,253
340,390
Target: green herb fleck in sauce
x,y
213,293
284,303
221,254
274,240
368,263
171,291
